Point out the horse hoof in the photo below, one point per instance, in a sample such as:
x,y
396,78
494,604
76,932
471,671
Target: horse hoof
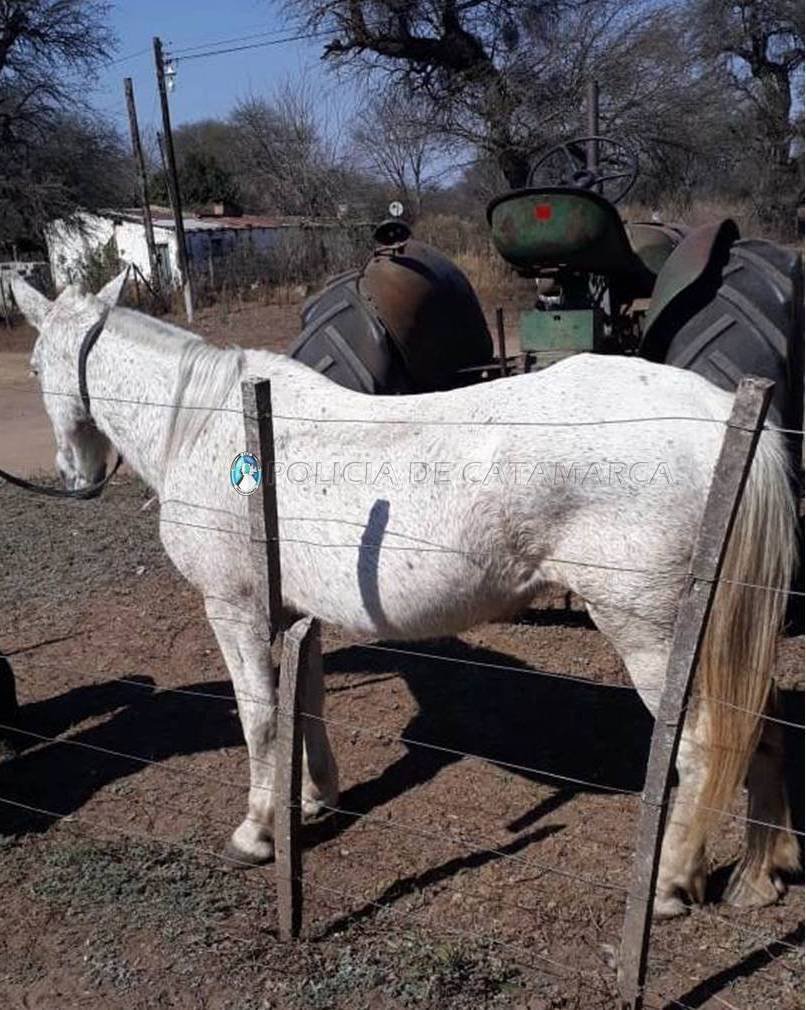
x,y
236,858
756,891
311,808
668,908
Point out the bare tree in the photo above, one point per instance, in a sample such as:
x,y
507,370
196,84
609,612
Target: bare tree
x,y
461,58
393,142
286,159
507,80
45,47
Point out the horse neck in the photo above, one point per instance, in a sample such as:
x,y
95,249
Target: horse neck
x,y
130,385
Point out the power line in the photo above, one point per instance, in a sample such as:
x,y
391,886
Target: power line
x,y
271,36
253,45
131,56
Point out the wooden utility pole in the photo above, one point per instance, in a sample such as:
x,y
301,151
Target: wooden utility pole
x,y
164,163
173,181
139,161
724,495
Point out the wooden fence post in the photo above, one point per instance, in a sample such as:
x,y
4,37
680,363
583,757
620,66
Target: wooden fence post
x,y
727,484
263,528
300,649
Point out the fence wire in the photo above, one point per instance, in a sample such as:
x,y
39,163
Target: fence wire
x,y
418,423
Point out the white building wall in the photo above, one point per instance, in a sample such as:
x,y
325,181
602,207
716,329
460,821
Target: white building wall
x,y
69,246
133,248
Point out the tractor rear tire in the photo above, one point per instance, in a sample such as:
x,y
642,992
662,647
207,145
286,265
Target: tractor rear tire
x,y
751,327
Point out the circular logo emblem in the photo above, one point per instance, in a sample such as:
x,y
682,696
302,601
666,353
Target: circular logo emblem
x,y
245,474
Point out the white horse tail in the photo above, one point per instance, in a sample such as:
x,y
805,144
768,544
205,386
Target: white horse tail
x,y
739,647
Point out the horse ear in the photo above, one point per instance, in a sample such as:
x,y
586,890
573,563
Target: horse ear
x,y
32,303
110,293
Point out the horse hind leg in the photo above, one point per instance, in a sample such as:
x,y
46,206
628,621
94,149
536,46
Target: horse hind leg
x,y
682,872
771,851
644,650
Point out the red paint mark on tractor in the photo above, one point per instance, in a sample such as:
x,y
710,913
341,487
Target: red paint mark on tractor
x,y
543,211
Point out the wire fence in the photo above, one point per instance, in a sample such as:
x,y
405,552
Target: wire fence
x,y
409,422
521,958
386,824
480,846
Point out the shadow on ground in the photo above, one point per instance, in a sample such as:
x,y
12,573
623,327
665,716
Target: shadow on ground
x,y
566,728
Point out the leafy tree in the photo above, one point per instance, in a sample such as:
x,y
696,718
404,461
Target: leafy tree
x,y
202,181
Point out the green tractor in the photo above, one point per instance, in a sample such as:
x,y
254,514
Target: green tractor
x,y
703,298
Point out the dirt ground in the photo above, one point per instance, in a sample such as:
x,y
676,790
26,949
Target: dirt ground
x,y
470,883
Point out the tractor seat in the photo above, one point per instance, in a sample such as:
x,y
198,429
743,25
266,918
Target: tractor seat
x,y
558,226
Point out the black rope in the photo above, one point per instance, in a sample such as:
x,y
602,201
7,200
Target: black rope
x,y
90,491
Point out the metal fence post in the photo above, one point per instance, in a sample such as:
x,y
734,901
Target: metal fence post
x,y
727,484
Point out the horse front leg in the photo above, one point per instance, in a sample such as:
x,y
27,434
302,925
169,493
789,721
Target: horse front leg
x,y
248,658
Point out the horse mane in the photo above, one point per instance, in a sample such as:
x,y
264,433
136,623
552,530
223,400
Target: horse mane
x,y
205,374
204,381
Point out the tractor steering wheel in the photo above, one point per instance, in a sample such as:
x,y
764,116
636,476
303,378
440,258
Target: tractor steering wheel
x,y
613,174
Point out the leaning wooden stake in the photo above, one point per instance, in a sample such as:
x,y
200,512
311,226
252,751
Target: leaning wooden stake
x,y
730,475
300,649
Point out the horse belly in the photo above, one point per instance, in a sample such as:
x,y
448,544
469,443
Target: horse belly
x,y
407,594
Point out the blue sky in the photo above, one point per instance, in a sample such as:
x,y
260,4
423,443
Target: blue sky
x,y
204,87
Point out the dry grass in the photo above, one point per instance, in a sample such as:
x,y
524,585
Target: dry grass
x,y
489,274
700,212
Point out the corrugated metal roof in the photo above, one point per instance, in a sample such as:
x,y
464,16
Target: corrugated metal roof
x,y
163,218
213,223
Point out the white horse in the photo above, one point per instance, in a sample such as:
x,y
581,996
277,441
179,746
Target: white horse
x,y
415,516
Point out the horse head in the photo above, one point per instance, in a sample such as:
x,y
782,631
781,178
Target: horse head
x,y
63,327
